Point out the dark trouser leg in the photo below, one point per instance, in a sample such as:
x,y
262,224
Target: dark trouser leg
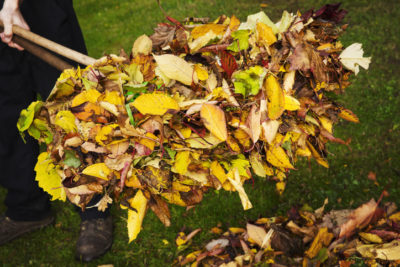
x,y
93,213
24,200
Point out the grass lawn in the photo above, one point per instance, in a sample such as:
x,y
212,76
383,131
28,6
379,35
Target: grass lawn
x,y
375,147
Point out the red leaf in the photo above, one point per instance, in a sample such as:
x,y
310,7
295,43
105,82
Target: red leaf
x,y
228,63
372,176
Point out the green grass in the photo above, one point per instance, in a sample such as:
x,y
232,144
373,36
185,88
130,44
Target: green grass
x,y
373,96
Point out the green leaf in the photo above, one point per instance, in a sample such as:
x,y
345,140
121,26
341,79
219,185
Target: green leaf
x,y
322,255
41,131
129,111
242,164
258,17
71,159
240,40
88,84
249,82
170,152
26,116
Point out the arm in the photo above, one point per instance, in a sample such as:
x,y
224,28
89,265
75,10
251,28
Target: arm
x,y
11,15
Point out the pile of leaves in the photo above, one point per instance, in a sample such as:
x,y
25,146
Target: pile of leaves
x,y
369,234
195,106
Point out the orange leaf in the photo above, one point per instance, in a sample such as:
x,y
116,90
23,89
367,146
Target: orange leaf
x,y
348,115
214,120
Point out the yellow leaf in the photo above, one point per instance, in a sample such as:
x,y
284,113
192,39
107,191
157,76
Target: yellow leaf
x,y
388,251
135,218
182,161
236,230
326,123
201,30
133,181
323,239
234,23
372,238
48,177
207,142
181,239
265,34
242,165
219,172
175,68
275,97
155,104
227,186
201,72
200,42
317,156
243,138
147,142
62,88
257,164
277,156
142,45
214,120
174,198
176,186
102,135
395,217
291,103
99,170
113,97
280,187
66,120
70,73
91,95
186,132
233,145
348,115
236,182
303,152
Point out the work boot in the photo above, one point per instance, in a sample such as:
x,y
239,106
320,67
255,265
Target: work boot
x,y
10,229
95,238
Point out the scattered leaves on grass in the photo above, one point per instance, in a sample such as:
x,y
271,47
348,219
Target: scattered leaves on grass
x,y
304,238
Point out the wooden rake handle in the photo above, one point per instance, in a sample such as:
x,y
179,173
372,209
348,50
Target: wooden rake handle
x,y
33,43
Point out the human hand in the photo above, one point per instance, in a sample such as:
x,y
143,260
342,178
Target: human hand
x,y
11,15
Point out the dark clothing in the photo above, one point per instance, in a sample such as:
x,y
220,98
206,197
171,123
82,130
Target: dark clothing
x,y
22,77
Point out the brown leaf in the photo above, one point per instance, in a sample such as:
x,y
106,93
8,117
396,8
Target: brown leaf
x,y
163,35
253,124
300,59
160,208
359,218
